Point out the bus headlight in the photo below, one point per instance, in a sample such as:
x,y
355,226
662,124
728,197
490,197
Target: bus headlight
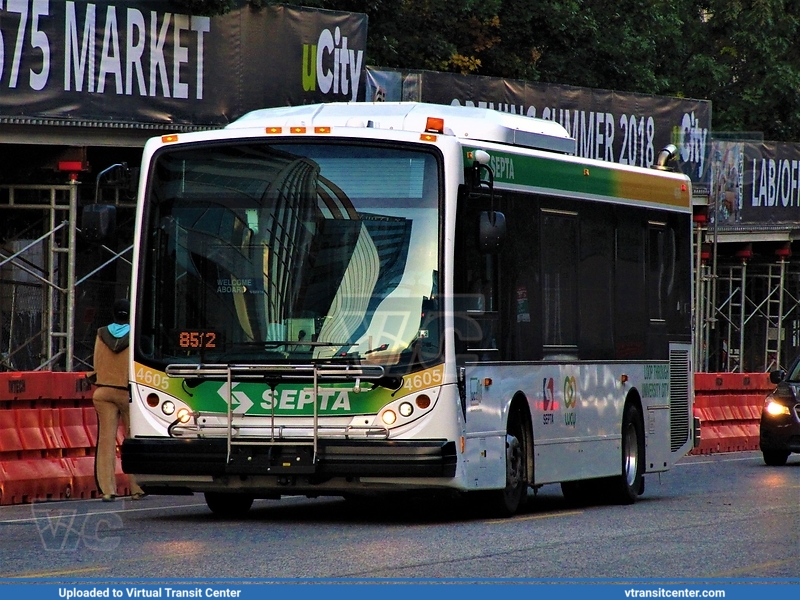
x,y
403,411
168,407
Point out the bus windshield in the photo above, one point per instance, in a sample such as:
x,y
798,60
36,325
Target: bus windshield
x,y
261,252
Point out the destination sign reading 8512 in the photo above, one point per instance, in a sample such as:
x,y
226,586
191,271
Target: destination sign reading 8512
x,y
197,339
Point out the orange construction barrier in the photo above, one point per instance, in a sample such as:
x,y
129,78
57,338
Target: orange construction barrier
x,y
729,408
48,435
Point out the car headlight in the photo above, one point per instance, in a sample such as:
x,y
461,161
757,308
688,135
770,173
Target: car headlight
x,y
776,408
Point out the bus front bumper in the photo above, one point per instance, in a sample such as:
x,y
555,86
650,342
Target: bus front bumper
x,y
334,458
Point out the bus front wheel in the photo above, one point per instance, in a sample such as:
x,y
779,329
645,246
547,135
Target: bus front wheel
x,y
510,499
228,505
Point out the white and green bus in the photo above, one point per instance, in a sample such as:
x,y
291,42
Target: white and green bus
x,y
353,299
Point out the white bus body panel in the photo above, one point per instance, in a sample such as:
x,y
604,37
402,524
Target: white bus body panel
x,y
576,411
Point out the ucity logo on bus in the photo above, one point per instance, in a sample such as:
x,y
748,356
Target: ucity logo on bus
x,y
570,400
332,67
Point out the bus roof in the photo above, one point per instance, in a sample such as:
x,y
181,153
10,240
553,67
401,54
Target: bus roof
x,y
466,122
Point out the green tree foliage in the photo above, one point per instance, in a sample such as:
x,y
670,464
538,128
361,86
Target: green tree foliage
x,y
746,60
744,55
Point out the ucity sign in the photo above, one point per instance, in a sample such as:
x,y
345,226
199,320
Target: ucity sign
x,y
342,76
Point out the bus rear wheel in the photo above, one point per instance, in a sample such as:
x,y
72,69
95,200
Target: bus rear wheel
x,y
228,506
626,487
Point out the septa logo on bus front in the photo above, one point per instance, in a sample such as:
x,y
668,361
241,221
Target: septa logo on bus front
x,y
331,67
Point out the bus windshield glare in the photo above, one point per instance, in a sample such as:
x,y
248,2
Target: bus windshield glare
x,y
259,252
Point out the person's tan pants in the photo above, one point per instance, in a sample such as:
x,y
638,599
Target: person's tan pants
x,y
110,404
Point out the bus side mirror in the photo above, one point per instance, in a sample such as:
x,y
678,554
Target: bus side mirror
x,y
98,221
491,231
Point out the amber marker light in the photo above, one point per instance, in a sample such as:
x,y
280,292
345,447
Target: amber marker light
x,y
169,139
274,130
297,129
434,125
427,137
322,129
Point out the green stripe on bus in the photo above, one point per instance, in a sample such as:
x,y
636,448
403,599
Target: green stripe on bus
x,y
585,178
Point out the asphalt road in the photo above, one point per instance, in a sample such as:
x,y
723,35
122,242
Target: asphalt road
x,y
722,516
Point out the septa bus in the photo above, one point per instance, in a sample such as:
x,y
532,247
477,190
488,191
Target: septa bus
x,y
353,298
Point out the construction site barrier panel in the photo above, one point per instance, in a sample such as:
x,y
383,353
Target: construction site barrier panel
x,y
48,436
729,408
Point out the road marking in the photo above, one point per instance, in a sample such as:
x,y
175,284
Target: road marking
x,y
534,517
758,567
54,573
689,463
66,507
138,559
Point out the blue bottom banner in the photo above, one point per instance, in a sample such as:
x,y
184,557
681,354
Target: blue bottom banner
x,y
403,589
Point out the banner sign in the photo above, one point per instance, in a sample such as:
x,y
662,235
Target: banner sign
x,y
755,183
138,62
620,127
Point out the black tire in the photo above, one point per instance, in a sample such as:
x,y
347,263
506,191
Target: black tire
x,y
626,487
229,506
509,500
775,458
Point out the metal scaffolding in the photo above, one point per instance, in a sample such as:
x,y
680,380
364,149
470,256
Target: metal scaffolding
x,y
38,291
40,281
746,307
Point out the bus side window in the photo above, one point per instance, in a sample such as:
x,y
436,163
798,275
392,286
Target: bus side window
x,y
559,255
519,279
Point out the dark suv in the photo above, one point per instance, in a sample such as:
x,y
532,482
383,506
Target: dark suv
x,y
780,417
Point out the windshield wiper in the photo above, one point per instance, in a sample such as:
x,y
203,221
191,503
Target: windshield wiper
x,y
279,343
380,348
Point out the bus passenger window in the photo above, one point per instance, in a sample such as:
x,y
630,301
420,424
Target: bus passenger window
x,y
559,252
